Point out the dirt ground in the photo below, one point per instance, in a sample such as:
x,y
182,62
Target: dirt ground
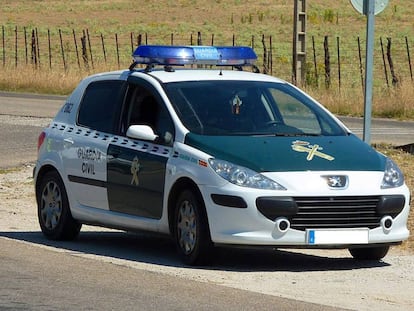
x,y
325,277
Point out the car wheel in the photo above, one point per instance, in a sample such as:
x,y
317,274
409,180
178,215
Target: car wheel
x,y
191,231
369,253
53,211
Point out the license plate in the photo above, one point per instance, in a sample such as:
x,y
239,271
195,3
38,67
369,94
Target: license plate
x,y
337,236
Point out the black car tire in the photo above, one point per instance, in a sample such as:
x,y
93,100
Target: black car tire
x,y
369,253
191,230
53,210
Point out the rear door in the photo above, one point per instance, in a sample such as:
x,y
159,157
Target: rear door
x,y
136,168
86,143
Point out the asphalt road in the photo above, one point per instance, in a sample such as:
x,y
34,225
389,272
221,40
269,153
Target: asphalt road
x,y
22,117
37,278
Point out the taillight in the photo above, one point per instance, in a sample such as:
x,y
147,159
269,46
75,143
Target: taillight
x,y
40,140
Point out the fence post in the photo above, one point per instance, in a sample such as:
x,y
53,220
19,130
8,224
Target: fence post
x,y
38,47
62,50
25,44
390,62
4,46
360,64
384,63
76,48
408,57
84,51
264,55
117,50
199,41
90,47
49,49
339,63
327,63
315,65
103,47
33,49
15,47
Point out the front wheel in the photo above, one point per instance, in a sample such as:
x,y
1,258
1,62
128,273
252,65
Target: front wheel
x,y
191,231
369,253
53,210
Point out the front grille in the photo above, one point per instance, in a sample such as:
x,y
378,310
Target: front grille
x,y
336,212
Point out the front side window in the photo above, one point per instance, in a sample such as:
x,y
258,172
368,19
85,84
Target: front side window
x,y
143,107
248,108
101,104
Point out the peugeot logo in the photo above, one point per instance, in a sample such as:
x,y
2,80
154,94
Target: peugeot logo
x,y
336,181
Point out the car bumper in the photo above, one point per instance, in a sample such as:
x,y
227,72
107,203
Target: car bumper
x,y
242,223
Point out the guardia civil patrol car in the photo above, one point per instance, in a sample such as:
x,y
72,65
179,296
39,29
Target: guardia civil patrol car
x,y
194,145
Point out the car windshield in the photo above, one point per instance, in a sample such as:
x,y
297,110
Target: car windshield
x,y
248,108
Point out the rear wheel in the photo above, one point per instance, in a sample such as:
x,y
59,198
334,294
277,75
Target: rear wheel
x,y
53,211
369,253
191,229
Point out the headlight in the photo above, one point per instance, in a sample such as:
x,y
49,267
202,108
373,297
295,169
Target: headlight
x,y
243,176
393,177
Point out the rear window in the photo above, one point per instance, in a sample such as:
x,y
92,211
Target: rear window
x,y
101,104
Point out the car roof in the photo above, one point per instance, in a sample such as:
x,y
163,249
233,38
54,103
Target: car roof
x,y
179,75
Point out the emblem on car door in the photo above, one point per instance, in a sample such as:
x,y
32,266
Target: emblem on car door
x,y
135,166
336,181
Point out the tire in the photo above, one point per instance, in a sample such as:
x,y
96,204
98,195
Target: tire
x,y
369,253
53,210
191,230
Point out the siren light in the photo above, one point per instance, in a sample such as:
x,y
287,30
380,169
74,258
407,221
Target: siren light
x,y
188,55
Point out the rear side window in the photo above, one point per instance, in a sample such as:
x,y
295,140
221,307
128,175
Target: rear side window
x,y
101,104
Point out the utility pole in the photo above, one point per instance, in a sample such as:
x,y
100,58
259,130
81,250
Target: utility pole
x,y
299,42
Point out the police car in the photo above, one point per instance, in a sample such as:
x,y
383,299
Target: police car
x,y
193,146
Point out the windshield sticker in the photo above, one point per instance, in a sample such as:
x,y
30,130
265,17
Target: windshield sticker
x,y
311,150
236,103
135,167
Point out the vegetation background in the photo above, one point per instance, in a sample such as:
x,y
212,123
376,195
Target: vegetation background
x,y
222,22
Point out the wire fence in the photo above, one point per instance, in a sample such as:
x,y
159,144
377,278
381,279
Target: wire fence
x,y
331,61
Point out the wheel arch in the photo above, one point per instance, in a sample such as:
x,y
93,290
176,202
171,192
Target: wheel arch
x,y
41,173
180,185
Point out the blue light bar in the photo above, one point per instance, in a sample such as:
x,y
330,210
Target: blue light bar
x,y
187,55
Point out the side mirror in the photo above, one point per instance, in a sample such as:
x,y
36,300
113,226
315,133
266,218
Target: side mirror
x,y
143,132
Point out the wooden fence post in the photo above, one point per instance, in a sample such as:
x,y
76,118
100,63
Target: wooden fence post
x,y
390,62
4,46
315,65
25,45
33,49
360,64
76,47
38,47
15,47
84,51
49,49
264,55
384,63
103,47
90,47
62,50
339,63
327,63
117,50
409,58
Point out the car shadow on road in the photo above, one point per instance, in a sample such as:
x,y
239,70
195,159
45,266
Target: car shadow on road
x,y
160,250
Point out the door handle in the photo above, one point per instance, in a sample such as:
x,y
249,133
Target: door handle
x,y
68,141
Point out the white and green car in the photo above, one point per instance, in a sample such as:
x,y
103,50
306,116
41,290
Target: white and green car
x,y
214,156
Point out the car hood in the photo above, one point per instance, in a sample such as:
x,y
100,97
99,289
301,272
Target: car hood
x,y
303,153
